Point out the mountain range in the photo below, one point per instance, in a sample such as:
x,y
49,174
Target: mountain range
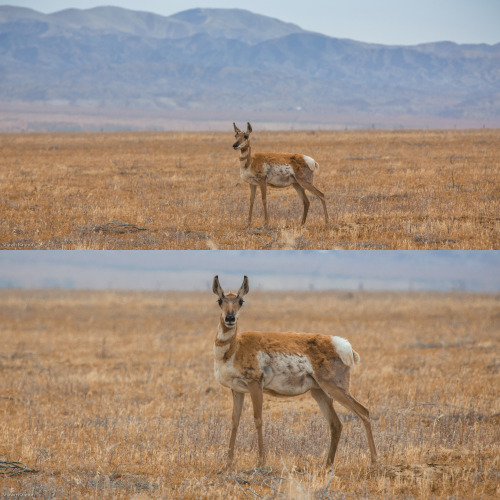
x,y
231,64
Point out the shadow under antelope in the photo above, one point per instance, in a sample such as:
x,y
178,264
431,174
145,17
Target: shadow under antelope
x,y
283,364
278,170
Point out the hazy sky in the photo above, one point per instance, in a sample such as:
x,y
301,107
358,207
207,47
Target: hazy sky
x,y
392,22
269,270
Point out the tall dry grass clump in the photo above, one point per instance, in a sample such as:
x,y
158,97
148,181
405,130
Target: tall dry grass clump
x,y
385,190
112,395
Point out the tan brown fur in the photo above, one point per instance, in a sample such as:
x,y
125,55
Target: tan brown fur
x,y
283,364
278,170
297,162
316,347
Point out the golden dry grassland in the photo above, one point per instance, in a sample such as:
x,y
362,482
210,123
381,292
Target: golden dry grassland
x,y
112,395
152,190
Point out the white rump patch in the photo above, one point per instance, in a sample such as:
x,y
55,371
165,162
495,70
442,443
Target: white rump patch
x,y
344,350
311,163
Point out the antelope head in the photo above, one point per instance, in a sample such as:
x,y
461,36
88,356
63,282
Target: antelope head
x,y
242,138
231,303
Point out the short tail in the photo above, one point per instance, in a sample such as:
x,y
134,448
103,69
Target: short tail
x,y
316,167
356,357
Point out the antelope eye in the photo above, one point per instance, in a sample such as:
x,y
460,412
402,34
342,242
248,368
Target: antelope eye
x,y
241,302
246,136
220,302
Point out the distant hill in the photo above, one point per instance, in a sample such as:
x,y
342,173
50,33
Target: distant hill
x,y
218,62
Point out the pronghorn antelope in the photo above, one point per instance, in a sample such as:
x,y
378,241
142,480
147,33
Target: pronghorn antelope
x,y
277,170
283,364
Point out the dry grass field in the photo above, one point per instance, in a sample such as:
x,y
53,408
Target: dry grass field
x,y
112,395
141,190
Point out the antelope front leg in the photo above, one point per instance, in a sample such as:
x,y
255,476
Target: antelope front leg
x,y
253,190
263,192
238,400
255,389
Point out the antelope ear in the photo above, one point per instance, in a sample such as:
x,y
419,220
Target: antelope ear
x,y
236,129
216,288
249,128
244,289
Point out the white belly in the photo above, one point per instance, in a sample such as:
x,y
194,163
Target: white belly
x,y
286,374
279,175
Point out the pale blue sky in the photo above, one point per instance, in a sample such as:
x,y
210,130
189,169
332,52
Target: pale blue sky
x,y
392,22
